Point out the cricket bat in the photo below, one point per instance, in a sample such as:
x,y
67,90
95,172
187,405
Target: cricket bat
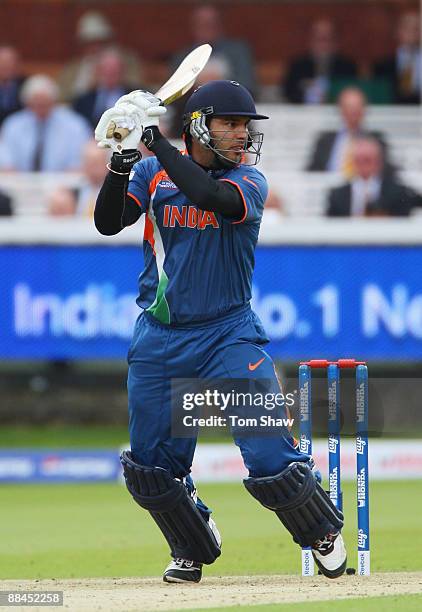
x,y
177,85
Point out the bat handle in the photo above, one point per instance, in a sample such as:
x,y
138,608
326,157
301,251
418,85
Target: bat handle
x,y
115,132
120,133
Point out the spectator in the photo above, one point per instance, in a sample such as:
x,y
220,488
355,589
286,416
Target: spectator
x,y
6,209
273,211
61,203
108,89
81,201
403,69
309,77
44,135
207,27
216,69
371,192
10,82
332,150
94,35
94,168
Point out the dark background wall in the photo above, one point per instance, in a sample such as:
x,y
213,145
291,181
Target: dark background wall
x,y
277,30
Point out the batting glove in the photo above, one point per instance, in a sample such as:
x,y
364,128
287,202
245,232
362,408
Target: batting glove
x,y
144,101
123,118
122,163
149,104
128,119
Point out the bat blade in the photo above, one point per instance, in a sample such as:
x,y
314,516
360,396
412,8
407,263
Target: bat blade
x,y
180,81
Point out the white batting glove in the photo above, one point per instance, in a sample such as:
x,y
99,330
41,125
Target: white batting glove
x,y
125,117
145,102
128,118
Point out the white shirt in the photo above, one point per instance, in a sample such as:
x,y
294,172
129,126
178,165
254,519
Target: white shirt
x,y
341,143
65,134
363,192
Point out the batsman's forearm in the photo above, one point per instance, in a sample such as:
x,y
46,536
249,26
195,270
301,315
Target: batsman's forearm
x,y
200,188
114,210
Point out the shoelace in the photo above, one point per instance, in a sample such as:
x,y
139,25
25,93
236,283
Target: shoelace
x,y
325,544
181,562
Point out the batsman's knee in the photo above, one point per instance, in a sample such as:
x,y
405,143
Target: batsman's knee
x,y
299,501
167,500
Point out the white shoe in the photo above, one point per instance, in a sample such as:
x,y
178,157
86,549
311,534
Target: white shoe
x,y
330,555
183,570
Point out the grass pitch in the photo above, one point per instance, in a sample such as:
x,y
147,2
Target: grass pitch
x,y
85,537
77,531
401,603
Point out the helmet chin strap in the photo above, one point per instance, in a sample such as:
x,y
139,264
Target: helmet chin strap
x,y
199,130
220,162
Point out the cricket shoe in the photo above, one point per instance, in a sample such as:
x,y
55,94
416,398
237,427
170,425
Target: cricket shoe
x,y
183,570
330,555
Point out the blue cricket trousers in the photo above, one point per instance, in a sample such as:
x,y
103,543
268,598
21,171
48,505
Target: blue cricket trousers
x,y
222,348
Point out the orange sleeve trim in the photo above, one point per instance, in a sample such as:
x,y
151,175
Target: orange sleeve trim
x,y
245,178
135,198
156,179
243,198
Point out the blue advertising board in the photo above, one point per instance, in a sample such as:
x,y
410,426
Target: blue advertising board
x,y
78,302
21,465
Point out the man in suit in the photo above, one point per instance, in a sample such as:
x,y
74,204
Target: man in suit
x,y
207,26
309,76
95,34
10,82
403,68
108,89
332,150
371,192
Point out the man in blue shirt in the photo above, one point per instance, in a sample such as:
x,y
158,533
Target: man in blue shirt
x,y
203,211
44,136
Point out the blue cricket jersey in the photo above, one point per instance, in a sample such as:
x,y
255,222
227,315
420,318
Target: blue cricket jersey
x,y
198,264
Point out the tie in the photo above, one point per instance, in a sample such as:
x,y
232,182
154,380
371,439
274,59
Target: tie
x,y
366,200
406,75
39,146
406,80
347,168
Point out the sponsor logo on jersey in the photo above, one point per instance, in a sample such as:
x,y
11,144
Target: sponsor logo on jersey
x,y
188,216
166,183
253,366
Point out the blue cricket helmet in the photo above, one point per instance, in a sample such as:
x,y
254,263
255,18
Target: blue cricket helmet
x,y
221,98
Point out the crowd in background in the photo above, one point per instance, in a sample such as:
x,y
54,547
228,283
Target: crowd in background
x,y
46,124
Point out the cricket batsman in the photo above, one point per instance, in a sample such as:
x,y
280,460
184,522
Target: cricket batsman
x,y
202,215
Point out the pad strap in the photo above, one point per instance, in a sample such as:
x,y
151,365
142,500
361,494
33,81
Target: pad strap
x,y
299,501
